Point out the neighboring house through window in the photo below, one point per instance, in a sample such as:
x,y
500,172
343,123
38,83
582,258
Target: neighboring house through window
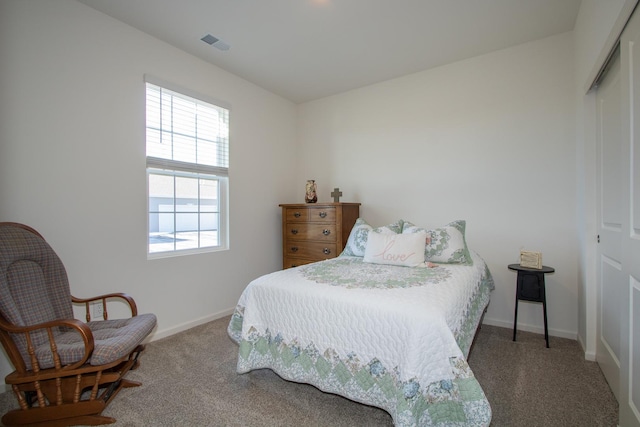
x,y
187,140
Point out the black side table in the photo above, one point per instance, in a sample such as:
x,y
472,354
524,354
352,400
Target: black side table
x,y
530,287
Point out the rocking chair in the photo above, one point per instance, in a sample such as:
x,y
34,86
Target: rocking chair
x,y
66,371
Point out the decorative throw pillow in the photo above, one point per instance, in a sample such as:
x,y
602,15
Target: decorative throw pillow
x,y
396,227
357,241
396,249
446,245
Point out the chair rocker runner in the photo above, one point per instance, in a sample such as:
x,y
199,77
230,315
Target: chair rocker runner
x,y
66,371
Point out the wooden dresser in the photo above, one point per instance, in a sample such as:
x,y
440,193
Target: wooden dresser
x,y
315,231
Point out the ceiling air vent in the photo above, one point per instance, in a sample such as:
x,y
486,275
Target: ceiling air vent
x,y
216,42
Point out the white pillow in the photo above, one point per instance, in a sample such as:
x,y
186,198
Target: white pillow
x,y
396,249
357,241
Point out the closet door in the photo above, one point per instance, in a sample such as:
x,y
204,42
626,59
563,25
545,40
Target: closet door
x,y
618,110
611,197
630,309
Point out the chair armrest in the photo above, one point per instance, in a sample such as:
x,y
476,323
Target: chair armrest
x,y
79,327
103,298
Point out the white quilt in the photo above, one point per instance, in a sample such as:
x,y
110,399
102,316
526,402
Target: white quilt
x,y
388,336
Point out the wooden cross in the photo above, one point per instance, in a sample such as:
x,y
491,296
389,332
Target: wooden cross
x,y
336,194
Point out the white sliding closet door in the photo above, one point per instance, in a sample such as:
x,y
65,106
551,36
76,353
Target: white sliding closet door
x,y
610,212
630,310
618,349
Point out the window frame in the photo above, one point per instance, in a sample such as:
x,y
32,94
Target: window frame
x,y
173,168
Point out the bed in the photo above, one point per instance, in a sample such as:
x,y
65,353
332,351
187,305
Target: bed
x,y
380,333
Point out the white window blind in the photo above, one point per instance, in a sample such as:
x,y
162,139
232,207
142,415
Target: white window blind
x,y
186,134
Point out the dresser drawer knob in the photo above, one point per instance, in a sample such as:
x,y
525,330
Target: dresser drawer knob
x,y
323,214
294,249
296,214
326,232
326,251
294,231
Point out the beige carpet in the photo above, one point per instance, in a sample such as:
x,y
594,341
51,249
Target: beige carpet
x,y
189,379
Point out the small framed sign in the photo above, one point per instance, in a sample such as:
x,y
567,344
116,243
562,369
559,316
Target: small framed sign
x,y
531,259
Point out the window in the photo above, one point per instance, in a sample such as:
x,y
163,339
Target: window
x,y
187,143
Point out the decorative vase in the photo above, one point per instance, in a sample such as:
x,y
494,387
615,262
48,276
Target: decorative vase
x,y
310,196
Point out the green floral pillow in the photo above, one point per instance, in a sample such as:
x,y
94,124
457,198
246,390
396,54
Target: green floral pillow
x,y
396,227
357,241
446,245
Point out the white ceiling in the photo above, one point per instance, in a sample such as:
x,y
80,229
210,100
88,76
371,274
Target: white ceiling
x,y
308,49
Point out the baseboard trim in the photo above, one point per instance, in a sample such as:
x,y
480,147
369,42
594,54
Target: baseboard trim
x,y
164,333
588,355
531,328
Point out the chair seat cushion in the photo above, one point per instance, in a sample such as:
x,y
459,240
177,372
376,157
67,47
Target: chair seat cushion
x,y
113,340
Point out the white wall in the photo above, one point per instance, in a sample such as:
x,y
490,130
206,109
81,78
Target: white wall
x,y
489,139
459,141
597,26
72,159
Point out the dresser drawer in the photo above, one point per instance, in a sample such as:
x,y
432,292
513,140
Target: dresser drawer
x,y
296,262
313,250
322,232
296,214
322,214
